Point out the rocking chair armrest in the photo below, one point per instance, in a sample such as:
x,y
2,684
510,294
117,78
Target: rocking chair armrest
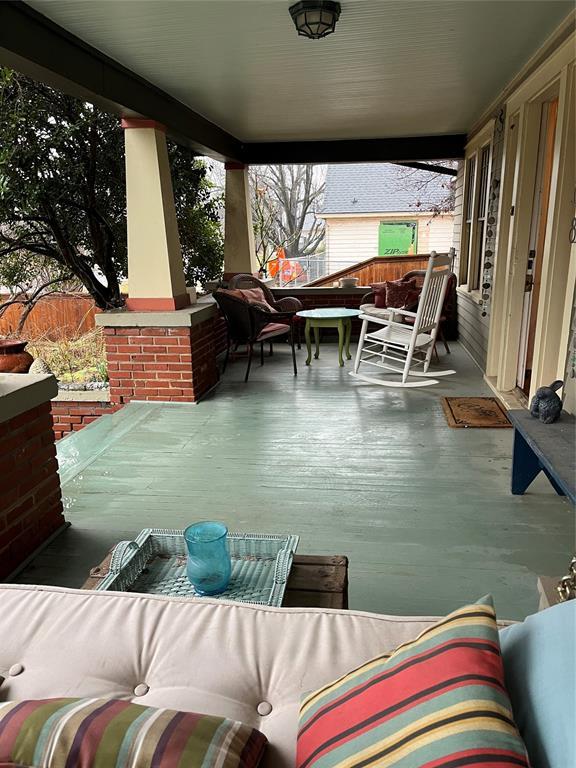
x,y
406,312
383,321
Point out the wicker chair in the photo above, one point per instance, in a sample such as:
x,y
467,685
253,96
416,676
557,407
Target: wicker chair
x,y
252,323
285,304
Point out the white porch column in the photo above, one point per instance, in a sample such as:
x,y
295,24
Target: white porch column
x,y
239,248
155,270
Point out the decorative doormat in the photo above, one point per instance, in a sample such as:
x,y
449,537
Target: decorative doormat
x,y
462,412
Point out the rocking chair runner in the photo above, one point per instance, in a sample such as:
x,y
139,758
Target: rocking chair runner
x,y
410,345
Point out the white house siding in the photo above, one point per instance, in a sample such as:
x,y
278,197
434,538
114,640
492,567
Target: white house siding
x,y
350,239
440,233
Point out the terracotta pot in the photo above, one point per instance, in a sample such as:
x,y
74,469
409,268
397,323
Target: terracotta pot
x,y
13,357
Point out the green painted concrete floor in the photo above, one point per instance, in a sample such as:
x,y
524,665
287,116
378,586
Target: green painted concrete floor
x,y
424,512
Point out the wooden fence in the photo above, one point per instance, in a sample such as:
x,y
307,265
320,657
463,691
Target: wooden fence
x,y
377,269
56,317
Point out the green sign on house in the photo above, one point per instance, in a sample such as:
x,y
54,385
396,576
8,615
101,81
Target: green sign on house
x,y
397,238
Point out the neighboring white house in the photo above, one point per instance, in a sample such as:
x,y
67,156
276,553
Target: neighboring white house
x,y
363,203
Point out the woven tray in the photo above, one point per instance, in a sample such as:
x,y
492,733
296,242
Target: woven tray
x,y
155,563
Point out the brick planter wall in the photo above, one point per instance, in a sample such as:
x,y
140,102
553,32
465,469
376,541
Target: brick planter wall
x,y
72,415
176,364
31,508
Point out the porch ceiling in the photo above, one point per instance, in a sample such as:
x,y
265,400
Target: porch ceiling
x,y
392,69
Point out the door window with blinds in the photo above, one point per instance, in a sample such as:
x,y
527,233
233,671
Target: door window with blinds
x,y
476,187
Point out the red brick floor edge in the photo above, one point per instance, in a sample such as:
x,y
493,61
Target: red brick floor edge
x,y
71,415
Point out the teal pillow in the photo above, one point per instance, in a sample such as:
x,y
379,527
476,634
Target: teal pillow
x,y
540,668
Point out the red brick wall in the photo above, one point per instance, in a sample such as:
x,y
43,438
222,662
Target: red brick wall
x,y
31,506
320,300
220,336
171,364
72,415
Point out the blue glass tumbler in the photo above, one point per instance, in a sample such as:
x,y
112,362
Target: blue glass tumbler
x,y
208,565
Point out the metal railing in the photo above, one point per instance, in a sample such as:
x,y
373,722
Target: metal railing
x,y
301,271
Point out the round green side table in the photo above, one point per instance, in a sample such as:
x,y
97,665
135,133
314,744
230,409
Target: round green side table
x,y
333,317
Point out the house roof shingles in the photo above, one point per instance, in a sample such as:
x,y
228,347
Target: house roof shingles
x,y
381,188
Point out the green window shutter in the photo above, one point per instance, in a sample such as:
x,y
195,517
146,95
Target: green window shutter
x,y
397,238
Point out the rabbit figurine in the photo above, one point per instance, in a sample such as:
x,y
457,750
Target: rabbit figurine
x,y
546,405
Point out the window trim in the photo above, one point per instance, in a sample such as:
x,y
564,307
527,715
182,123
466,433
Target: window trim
x,y
471,251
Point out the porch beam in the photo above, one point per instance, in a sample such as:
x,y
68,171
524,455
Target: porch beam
x,y
388,150
36,46
433,168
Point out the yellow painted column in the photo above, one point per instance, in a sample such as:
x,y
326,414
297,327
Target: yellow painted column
x,y
155,270
239,247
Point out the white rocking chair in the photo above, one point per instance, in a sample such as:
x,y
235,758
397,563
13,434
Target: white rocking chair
x,y
411,346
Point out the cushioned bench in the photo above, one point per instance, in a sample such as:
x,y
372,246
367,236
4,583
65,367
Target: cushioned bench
x,y
253,663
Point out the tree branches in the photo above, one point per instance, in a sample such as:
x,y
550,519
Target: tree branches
x,y
62,192
434,191
285,199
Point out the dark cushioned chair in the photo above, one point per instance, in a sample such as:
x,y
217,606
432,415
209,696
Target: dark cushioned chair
x,y
285,304
253,323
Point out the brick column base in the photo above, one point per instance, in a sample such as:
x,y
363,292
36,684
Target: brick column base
x,y
31,508
161,363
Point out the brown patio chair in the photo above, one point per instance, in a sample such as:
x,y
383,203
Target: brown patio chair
x,y
253,323
285,304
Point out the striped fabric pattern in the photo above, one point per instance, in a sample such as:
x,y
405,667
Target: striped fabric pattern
x,y
438,701
109,733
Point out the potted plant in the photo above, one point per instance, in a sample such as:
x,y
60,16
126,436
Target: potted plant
x,y
13,356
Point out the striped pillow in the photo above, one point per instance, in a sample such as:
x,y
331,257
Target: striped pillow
x,y
436,702
85,733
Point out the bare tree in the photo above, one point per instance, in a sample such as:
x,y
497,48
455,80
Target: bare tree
x,y
434,191
29,279
265,214
285,200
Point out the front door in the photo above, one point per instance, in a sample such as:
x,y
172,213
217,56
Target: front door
x,y
540,206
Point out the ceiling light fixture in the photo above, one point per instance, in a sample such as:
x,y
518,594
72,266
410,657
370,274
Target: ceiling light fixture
x,y
315,18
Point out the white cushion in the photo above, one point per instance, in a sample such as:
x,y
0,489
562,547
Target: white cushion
x,y
195,655
372,309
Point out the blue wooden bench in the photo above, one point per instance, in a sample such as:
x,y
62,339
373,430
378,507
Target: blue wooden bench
x,y
547,448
